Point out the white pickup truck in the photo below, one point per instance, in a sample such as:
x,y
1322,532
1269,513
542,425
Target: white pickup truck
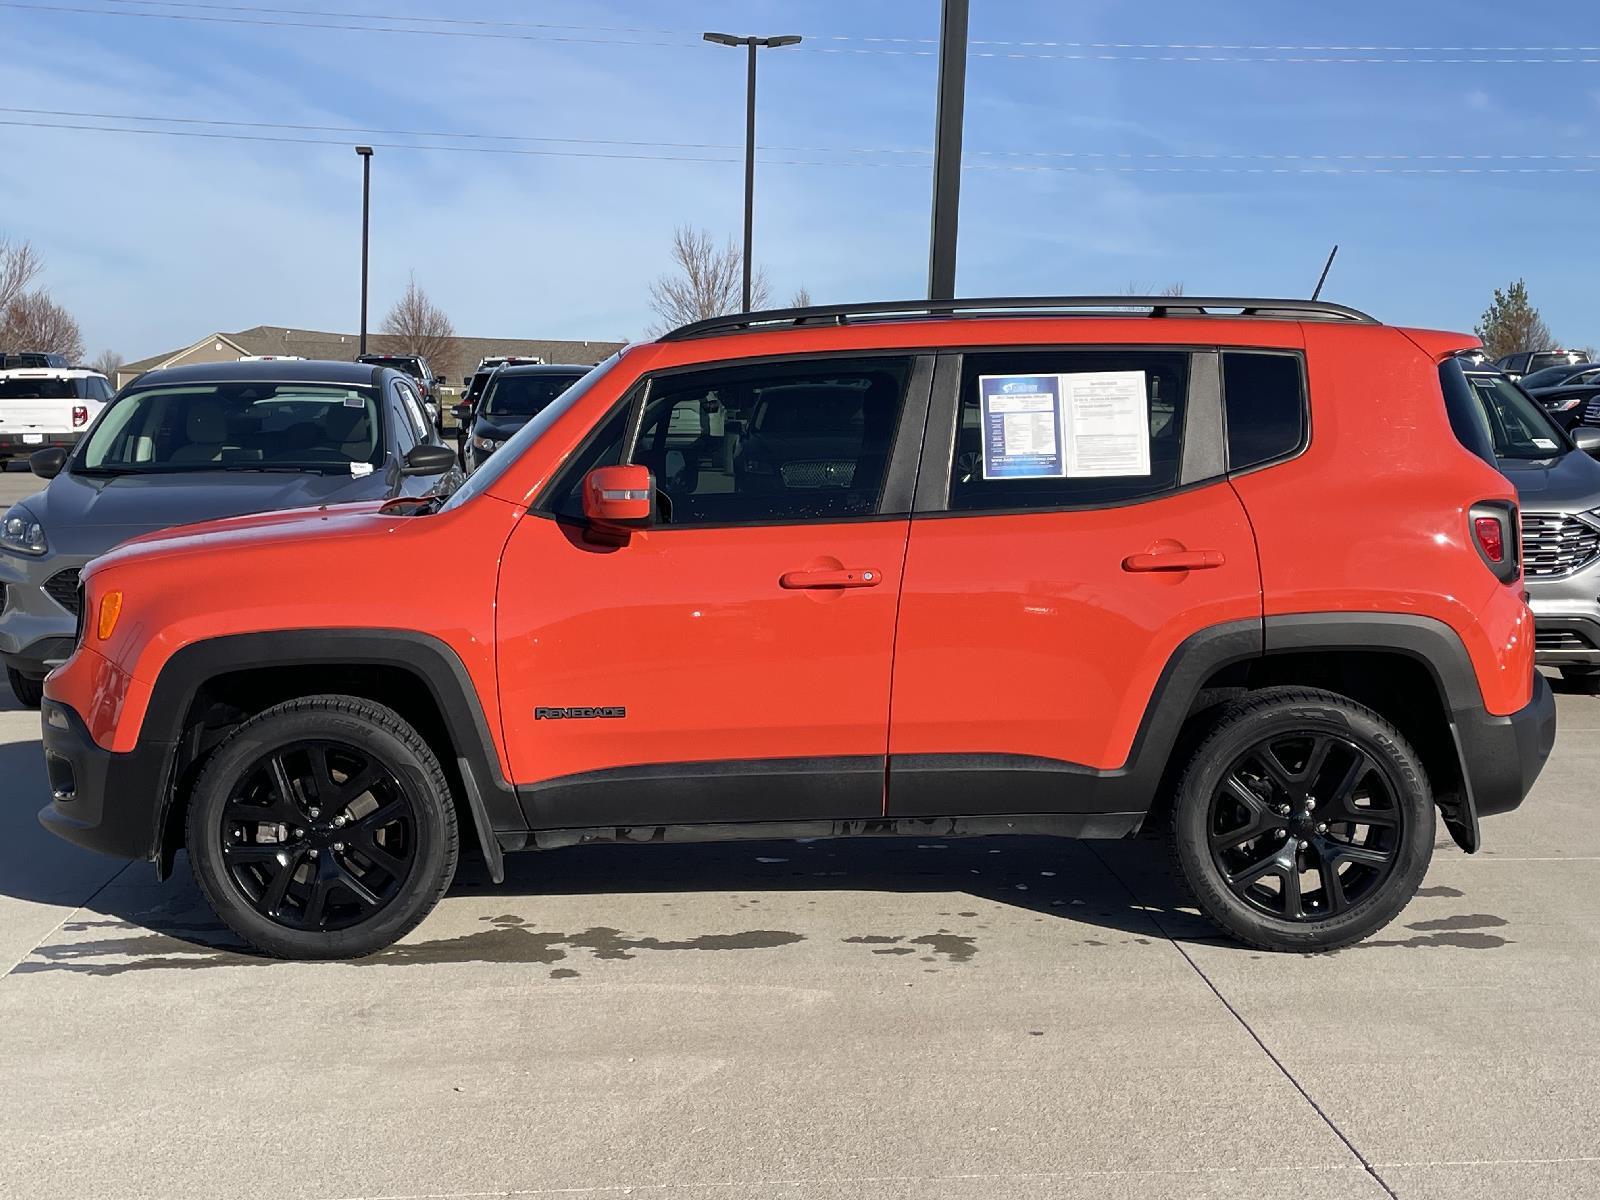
x,y
47,406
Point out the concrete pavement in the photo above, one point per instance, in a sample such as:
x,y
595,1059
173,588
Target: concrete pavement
x,y
1011,1017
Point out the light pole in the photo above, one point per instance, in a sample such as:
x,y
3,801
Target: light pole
x,y
366,227
947,151
754,44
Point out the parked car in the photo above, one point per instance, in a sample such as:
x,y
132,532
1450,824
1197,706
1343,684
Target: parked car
x,y
1558,488
513,397
1570,402
475,385
19,359
1526,362
417,367
1119,614
47,406
195,443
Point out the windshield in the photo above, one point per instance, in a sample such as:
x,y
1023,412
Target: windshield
x,y
524,395
37,389
409,365
485,476
1550,376
1518,427
237,426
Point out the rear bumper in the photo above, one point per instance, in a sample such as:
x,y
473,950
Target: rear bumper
x,y
13,445
1501,757
99,800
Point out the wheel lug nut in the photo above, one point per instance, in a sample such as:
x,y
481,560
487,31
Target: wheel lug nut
x,y
299,833
1283,810
1281,834
1322,828
338,845
1304,844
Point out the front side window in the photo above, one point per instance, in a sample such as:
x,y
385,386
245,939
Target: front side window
x,y
221,426
778,442
1068,428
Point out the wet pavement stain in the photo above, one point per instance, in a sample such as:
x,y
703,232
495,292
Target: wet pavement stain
x,y
954,947
1440,890
1461,932
509,940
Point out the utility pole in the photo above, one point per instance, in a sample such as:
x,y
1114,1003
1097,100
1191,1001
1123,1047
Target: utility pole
x,y
754,44
947,150
366,231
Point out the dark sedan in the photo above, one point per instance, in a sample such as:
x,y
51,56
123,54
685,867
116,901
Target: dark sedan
x,y
1568,400
194,444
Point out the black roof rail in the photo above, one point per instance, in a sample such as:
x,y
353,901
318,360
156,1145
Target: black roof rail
x,y
1158,306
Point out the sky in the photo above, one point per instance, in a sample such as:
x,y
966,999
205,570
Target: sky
x,y
1108,145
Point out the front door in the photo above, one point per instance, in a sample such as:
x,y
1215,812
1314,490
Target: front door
x,y
733,662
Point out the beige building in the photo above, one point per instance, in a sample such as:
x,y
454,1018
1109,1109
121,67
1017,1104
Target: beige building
x,y
463,358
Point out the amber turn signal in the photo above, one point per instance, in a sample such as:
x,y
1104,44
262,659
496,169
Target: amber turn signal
x,y
110,610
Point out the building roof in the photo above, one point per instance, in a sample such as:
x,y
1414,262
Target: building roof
x,y
463,358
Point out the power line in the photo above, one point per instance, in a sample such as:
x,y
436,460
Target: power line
x,y
1118,156
1098,167
1073,51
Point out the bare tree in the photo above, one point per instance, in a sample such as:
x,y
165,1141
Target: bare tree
x,y
416,325
1136,288
1512,323
707,281
107,362
33,321
801,297
19,265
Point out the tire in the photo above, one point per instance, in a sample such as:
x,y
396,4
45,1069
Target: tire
x,y
28,690
1227,818
348,857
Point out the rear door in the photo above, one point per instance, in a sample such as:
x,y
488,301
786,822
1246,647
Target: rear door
x,y
1074,526
733,662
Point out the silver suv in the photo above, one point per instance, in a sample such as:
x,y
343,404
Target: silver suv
x,y
1558,490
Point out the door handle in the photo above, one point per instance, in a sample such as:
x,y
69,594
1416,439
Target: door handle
x,y
846,577
1174,560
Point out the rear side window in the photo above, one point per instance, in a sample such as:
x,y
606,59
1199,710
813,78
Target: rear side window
x,y
1265,399
1068,428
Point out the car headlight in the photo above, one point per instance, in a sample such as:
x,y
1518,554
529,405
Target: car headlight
x,y
22,532
485,443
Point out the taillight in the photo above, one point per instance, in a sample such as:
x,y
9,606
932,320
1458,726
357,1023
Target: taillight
x,y
1497,536
80,415
1491,539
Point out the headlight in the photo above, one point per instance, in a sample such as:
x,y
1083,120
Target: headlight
x,y
485,443
22,532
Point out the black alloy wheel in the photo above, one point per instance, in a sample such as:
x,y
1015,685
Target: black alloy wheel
x,y
1303,826
319,835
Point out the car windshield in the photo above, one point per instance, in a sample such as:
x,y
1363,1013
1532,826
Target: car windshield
x,y
1518,427
237,426
1550,376
524,395
36,389
486,475
408,365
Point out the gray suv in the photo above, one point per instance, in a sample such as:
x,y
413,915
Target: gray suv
x,y
194,444
1558,491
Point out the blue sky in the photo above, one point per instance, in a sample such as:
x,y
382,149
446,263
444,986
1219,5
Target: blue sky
x,y
155,241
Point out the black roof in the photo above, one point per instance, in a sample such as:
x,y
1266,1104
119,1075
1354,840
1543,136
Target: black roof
x,y
279,370
543,369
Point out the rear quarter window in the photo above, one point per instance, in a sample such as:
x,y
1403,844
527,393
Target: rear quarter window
x,y
1264,397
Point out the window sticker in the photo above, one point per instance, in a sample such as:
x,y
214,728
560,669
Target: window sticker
x,y
1108,424
1022,428
1080,426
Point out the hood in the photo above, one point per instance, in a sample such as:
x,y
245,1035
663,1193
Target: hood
x,y
498,427
297,527
87,515
1570,483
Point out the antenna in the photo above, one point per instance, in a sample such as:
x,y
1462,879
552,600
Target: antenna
x,y
1326,267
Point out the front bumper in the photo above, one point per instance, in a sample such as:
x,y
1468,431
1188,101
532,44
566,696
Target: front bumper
x,y
36,633
1501,757
106,802
1566,615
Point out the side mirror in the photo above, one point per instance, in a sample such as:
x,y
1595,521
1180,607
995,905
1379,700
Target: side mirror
x,y
618,500
466,381
52,460
429,460
462,411
1585,438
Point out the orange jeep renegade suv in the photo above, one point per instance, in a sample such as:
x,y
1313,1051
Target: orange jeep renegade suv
x,y
1046,566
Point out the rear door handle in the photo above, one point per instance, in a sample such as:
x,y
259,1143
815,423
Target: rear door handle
x,y
847,577
1174,560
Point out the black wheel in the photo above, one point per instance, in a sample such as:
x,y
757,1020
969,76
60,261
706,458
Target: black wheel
x,y
1304,821
323,828
28,690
